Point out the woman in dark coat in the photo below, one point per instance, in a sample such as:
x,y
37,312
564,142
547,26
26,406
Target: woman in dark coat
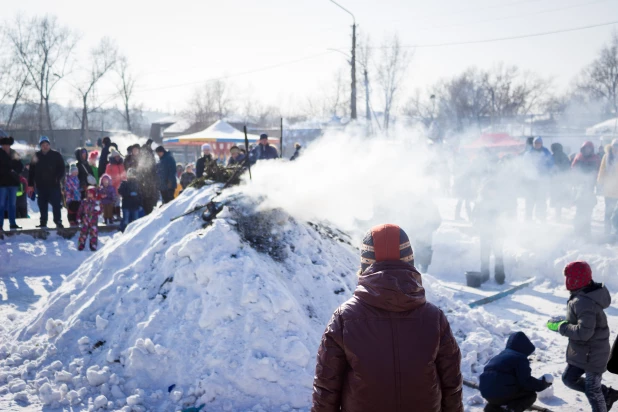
x,y
84,170
10,168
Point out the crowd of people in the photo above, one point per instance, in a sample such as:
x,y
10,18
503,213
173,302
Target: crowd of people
x,y
123,188
388,349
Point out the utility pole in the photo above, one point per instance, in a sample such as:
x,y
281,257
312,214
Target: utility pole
x,y
367,108
352,61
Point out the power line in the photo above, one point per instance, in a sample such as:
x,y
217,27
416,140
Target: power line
x,y
261,69
515,17
523,36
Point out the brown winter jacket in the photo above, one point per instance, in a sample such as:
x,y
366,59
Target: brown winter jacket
x,y
387,349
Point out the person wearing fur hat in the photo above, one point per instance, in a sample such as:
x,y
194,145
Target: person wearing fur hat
x,y
387,348
73,194
607,182
586,327
88,215
10,168
236,158
47,171
85,173
187,177
108,196
202,162
115,169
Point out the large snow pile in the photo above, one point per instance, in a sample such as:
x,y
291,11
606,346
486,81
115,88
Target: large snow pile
x,y
173,314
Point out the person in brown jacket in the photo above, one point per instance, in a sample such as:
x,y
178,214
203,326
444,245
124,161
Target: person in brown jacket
x,y
387,348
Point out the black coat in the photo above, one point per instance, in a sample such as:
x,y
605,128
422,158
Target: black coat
x,y
509,372
131,194
83,169
200,165
10,168
47,171
103,160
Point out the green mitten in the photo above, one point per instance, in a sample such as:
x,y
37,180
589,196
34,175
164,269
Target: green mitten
x,y
554,323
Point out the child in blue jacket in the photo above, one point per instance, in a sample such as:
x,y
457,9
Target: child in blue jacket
x,y
506,380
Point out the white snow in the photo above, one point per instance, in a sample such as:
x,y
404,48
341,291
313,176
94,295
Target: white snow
x,y
170,315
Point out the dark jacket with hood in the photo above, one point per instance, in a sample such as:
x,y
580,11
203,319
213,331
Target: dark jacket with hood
x,y
509,372
46,170
83,168
200,165
561,160
103,159
131,196
166,171
587,328
388,349
263,152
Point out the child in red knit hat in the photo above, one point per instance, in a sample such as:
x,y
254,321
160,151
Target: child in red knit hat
x,y
586,327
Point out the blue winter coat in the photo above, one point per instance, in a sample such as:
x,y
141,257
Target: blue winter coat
x,y
542,159
261,152
509,372
166,171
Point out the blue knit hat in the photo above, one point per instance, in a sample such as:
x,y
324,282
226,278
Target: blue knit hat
x,y
538,139
44,139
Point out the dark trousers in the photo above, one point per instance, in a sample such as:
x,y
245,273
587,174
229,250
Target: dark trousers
x,y
490,242
590,385
129,216
167,195
516,403
72,209
149,203
49,195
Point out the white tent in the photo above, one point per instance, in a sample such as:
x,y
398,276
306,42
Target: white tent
x,y
607,127
219,132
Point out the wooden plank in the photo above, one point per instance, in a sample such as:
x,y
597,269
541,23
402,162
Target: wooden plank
x,y
500,295
67,232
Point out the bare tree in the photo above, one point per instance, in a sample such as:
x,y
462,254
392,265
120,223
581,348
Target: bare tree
x,y
209,103
600,79
103,58
391,68
45,49
125,89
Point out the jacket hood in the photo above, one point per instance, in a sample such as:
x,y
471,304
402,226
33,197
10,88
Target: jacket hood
x,y
106,176
596,292
588,144
519,342
78,156
394,286
557,148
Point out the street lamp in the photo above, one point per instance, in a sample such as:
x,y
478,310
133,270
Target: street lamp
x,y
352,61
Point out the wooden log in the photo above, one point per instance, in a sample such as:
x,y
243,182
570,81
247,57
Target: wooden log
x,y
500,295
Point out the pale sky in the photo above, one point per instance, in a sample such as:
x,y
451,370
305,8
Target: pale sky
x,y
175,45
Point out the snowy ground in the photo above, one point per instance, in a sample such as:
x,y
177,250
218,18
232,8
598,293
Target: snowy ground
x,y
238,326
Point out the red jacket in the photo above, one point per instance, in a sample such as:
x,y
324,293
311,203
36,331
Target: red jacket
x,y
117,173
387,349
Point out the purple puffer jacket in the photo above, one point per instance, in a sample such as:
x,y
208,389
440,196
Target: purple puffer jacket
x,y
110,195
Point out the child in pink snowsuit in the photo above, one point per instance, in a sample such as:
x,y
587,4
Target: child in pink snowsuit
x,y
88,214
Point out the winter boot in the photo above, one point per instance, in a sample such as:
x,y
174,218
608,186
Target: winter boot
x,y
499,274
80,247
611,397
93,248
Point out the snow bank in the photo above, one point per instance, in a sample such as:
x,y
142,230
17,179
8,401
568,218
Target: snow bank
x,y
172,314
